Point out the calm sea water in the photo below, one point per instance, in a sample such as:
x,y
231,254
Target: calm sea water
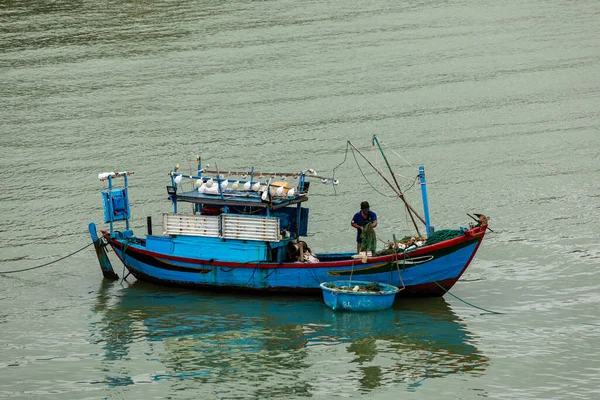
x,y
499,100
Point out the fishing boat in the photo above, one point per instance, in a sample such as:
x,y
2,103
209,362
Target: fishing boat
x,y
245,230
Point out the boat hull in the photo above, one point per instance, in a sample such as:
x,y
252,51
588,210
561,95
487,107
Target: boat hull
x,y
427,271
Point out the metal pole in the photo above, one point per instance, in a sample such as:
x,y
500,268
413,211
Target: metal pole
x,y
428,226
126,195
110,203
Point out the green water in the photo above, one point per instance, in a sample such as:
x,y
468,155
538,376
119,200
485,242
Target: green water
x,y
499,100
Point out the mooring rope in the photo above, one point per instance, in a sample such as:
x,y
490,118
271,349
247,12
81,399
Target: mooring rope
x,y
447,291
48,263
126,246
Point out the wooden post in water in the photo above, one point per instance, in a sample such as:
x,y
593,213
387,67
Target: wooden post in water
x,y
105,265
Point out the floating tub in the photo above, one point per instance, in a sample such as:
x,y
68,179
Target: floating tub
x,y
358,295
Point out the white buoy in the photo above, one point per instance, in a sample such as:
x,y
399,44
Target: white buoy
x,y
335,182
235,185
265,196
247,185
209,183
256,186
178,179
291,192
224,184
103,176
279,191
198,183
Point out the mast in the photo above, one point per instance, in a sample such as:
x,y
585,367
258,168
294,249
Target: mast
x,y
396,188
401,194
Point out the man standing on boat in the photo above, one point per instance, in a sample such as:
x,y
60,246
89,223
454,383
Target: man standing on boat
x,y
360,220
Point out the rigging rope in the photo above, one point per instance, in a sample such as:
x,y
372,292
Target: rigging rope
x,y
361,171
393,151
367,179
48,263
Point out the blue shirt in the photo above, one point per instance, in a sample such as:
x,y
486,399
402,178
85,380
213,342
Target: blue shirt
x,y
359,220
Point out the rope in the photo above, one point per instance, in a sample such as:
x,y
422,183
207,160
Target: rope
x,y
125,247
412,184
361,171
398,269
253,271
339,165
452,294
51,262
232,268
273,271
367,179
393,151
314,275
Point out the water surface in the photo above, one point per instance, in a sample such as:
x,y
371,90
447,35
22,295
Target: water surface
x,y
499,100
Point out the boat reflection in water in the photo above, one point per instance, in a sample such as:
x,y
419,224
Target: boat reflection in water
x,y
276,346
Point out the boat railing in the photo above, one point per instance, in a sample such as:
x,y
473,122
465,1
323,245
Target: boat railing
x,y
225,226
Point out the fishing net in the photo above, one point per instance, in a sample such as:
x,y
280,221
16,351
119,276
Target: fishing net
x,y
444,234
408,241
369,239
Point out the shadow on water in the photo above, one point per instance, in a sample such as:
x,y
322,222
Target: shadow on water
x,y
277,345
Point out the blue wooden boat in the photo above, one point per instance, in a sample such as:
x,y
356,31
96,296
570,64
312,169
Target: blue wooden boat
x,y
244,233
358,295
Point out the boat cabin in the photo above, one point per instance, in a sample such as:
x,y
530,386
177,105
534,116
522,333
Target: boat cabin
x,y
240,221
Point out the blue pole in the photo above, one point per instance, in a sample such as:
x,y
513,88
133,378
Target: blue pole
x,y
197,206
110,204
126,189
428,226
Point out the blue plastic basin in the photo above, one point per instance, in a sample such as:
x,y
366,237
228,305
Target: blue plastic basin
x,y
340,299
